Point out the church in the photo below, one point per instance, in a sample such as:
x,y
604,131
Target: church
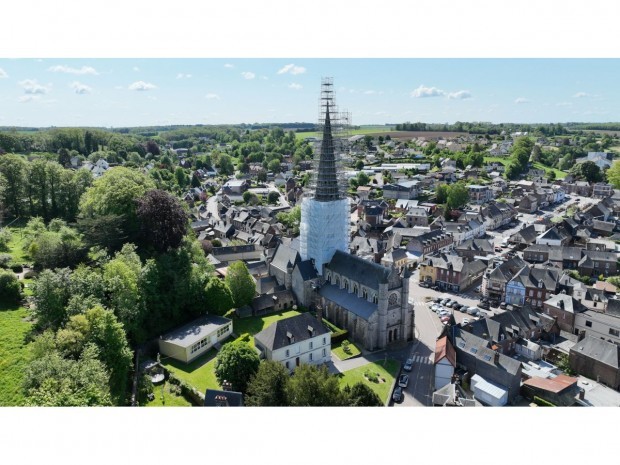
x,y
370,300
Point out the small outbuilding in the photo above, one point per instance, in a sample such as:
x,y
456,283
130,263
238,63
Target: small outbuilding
x,y
195,338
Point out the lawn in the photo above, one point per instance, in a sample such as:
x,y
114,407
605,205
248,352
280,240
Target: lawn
x,y
169,399
342,355
16,246
559,174
382,389
200,373
14,353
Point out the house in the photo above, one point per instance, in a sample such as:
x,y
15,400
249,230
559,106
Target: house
x,y
235,186
217,398
528,204
595,263
274,302
363,192
474,248
417,216
593,323
452,395
563,308
596,359
532,285
602,190
423,242
397,258
195,338
445,362
461,231
497,276
295,340
561,390
554,236
451,272
479,194
602,159
497,214
524,236
402,190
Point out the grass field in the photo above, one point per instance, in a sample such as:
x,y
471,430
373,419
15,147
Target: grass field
x,y
387,372
505,161
16,246
256,324
342,355
169,399
14,353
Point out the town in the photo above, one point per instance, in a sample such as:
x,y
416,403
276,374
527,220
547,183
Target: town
x,y
471,264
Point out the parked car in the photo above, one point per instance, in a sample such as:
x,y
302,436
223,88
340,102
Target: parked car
x,y
484,305
477,289
472,310
444,301
454,304
403,380
443,313
408,365
398,394
494,303
502,305
437,300
425,285
465,321
445,319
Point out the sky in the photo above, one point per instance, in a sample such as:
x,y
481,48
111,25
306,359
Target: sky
x,y
140,92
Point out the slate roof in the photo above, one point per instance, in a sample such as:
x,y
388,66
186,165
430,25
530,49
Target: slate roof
x,y
564,302
613,307
214,398
357,269
507,270
476,245
349,301
532,276
285,256
306,270
269,300
598,349
275,337
526,235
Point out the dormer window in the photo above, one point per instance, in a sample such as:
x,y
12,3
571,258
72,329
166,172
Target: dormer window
x,y
540,284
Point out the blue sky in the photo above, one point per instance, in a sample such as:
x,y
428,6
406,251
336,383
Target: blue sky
x,y
133,92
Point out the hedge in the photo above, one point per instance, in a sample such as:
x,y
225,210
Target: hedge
x,y
340,335
543,402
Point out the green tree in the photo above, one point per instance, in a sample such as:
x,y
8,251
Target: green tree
x,y
226,165
359,165
115,193
441,193
5,238
613,174
274,166
273,197
51,295
236,363
362,179
240,283
458,195
269,387
360,395
13,169
313,386
10,289
587,170
218,296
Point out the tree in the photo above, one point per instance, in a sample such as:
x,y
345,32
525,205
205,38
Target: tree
x,y
362,179
50,295
458,195
10,289
153,148
441,193
269,387
273,197
236,363
226,165
219,296
5,238
247,197
360,395
359,165
181,177
313,386
274,166
195,181
13,169
240,283
163,220
115,193
613,174
551,175
64,158
587,170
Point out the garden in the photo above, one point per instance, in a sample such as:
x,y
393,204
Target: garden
x,y
378,376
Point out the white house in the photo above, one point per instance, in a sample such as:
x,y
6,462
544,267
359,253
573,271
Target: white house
x,y
296,340
195,338
445,362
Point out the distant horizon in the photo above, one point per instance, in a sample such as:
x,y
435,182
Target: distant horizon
x,y
126,93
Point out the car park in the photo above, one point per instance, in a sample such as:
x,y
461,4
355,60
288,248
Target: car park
x,y
437,300
398,394
484,305
444,301
403,380
408,365
454,304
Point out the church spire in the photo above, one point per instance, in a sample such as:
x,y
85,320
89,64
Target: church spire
x,y
327,179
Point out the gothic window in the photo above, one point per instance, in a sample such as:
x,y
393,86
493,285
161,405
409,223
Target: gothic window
x,y
338,281
346,284
365,294
396,334
355,289
375,299
393,300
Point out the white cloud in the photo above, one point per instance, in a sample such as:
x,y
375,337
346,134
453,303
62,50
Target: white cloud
x,y
292,69
142,86
520,100
582,95
369,92
295,86
31,86
135,68
69,70
212,96
80,88
423,91
3,74
28,98
563,104
228,65
459,95
248,75
183,76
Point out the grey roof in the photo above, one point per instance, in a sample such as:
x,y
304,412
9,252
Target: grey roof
x,y
564,302
285,256
357,269
196,330
269,300
476,244
526,235
598,349
306,270
275,336
345,299
214,398
613,307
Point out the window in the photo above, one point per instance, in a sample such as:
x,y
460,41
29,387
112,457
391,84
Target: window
x,y
588,323
324,340
286,364
310,356
222,330
614,332
287,353
297,349
473,350
311,345
324,353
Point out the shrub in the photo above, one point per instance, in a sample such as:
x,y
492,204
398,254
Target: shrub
x,y
543,402
345,347
10,289
5,238
17,268
5,260
372,377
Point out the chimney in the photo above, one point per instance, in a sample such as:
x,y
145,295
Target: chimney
x,y
582,393
496,357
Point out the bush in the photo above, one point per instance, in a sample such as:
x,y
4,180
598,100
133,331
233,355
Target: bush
x,y
372,376
5,238
5,260
16,268
10,289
